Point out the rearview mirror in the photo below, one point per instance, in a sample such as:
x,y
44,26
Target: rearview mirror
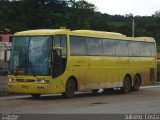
x,y
57,48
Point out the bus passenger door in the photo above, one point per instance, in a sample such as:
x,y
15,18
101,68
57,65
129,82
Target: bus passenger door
x,y
59,56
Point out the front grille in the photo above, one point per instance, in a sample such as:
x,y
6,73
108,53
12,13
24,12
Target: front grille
x,y
25,80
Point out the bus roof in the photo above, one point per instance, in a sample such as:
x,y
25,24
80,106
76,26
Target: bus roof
x,y
92,33
111,35
87,33
41,32
149,39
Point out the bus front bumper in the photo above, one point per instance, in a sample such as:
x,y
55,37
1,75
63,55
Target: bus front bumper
x,y
30,88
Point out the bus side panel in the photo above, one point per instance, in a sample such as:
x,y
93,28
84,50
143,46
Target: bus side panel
x,y
111,72
78,66
142,66
148,70
94,75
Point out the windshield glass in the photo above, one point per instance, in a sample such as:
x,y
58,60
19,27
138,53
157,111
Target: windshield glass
x,y
31,55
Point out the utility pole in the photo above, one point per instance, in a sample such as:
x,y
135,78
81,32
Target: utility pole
x,y
133,27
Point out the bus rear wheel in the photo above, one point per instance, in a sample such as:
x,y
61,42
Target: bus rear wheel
x,y
70,89
137,83
35,96
127,85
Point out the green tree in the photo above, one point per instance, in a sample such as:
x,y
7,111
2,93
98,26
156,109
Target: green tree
x,y
81,14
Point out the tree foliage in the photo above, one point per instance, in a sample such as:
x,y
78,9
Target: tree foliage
x,y
21,15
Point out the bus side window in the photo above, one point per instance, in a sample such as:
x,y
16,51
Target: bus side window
x,y
145,49
122,48
153,50
59,56
60,41
64,45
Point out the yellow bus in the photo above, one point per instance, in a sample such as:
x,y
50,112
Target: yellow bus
x,y
63,61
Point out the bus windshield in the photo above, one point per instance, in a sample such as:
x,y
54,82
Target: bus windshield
x,y
31,55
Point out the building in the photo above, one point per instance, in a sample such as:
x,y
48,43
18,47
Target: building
x,y
5,43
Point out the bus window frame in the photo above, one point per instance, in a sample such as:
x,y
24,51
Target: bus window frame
x,y
101,39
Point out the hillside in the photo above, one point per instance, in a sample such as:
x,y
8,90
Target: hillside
x,y
34,14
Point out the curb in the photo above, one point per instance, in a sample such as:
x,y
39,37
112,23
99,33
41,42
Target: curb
x,y
157,83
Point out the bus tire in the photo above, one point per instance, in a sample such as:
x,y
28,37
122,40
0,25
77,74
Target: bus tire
x,y
70,89
136,83
35,96
127,85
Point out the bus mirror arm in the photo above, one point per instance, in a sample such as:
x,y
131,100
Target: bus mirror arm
x,y
57,48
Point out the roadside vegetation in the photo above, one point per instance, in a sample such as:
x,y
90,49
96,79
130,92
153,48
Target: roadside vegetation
x,y
19,15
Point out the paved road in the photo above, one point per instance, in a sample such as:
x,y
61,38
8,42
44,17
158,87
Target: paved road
x,y
147,100
3,82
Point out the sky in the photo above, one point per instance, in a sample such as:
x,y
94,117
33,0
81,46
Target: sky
x,y
122,7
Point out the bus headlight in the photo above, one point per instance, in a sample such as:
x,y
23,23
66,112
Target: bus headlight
x,y
12,80
42,81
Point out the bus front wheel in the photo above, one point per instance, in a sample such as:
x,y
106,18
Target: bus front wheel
x,y
70,89
127,85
